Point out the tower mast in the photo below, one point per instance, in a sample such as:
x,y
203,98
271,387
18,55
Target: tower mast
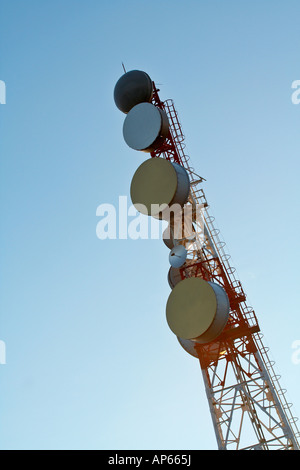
x,y
248,407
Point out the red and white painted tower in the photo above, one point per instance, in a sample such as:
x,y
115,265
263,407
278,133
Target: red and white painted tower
x,y
207,308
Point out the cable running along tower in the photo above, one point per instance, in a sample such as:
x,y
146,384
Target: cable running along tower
x,y
207,308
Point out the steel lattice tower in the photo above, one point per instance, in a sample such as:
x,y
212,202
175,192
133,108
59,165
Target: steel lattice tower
x,y
247,404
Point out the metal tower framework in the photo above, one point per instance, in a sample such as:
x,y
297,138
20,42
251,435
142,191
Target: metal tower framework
x,y
248,406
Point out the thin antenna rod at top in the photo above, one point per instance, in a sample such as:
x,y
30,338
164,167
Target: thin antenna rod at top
x,y
123,67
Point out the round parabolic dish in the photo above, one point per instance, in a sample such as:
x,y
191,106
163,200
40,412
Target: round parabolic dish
x,y
174,277
214,349
167,238
154,182
191,308
145,125
132,88
189,346
177,256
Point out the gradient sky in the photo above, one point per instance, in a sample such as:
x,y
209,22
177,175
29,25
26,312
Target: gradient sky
x,y
90,360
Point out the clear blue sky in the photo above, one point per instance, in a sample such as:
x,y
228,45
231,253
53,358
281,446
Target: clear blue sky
x,y
91,362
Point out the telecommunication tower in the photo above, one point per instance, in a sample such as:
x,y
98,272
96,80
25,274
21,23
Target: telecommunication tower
x,y
207,308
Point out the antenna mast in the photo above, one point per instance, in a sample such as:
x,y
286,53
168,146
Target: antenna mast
x,y
247,404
